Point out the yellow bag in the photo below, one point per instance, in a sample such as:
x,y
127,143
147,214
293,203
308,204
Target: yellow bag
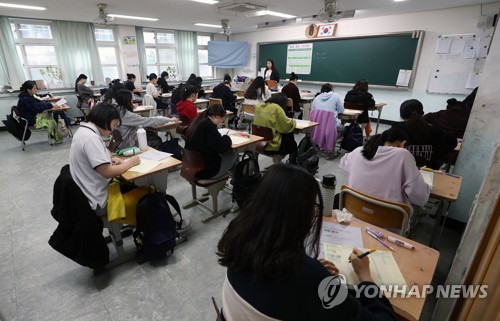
x,y
122,207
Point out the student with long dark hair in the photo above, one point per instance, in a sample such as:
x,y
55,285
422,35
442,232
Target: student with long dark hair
x,y
83,91
271,73
385,169
271,254
202,136
151,90
186,109
360,95
257,92
429,145
130,84
223,91
28,105
162,82
292,91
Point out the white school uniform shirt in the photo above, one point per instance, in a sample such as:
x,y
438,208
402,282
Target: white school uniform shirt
x,y
391,175
267,74
151,90
88,152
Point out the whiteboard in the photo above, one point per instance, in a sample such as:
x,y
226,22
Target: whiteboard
x,y
458,63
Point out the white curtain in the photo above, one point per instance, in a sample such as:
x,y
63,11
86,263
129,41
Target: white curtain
x,y
143,67
77,51
11,68
187,53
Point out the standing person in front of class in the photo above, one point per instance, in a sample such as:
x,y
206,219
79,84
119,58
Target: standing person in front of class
x,y
324,110
151,90
271,73
360,95
292,91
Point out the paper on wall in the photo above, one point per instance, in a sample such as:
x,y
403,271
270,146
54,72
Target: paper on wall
x,y
470,53
482,48
403,78
443,45
472,81
458,45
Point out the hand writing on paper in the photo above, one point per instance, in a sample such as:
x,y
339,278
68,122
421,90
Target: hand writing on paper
x,y
116,161
361,266
329,266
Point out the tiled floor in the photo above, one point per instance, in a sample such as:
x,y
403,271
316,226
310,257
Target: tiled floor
x,y
38,283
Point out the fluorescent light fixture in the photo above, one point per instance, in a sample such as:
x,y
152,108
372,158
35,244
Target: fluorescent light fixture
x,y
271,13
131,17
207,1
20,6
399,0
207,25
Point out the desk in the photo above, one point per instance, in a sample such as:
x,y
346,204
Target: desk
x,y
378,106
307,98
416,266
144,111
51,99
50,114
303,127
209,92
170,127
165,165
201,103
349,115
248,145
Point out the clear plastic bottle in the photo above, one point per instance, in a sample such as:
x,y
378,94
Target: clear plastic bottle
x,y
141,137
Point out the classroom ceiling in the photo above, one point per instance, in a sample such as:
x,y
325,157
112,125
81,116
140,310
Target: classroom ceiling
x,y
182,14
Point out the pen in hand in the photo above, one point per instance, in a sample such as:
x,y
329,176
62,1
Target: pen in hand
x,y
365,254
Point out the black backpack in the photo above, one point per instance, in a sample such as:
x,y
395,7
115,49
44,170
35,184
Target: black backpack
x,y
307,155
156,228
16,128
171,145
353,137
246,178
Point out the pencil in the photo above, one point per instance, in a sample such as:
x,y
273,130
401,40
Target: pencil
x,y
382,242
365,254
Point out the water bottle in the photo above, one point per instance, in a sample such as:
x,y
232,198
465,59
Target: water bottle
x,y
328,193
141,137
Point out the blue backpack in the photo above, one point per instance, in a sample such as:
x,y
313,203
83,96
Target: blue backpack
x,y
156,231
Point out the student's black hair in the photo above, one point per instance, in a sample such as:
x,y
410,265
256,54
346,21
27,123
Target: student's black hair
x,y
227,77
293,76
191,77
28,84
80,77
412,112
102,115
188,91
279,99
326,88
111,92
272,64
130,76
152,76
123,99
164,74
391,135
198,80
257,83
213,110
361,85
270,237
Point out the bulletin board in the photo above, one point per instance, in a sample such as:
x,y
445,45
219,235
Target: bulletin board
x,y
458,63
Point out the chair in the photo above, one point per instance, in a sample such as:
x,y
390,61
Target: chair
x,y
376,211
240,93
272,84
80,105
355,106
248,113
192,164
17,115
149,101
267,134
289,107
214,101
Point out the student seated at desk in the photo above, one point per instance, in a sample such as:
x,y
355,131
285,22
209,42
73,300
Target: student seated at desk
x,y
151,90
453,119
130,121
428,144
197,82
360,95
223,92
130,84
29,106
257,92
324,110
110,94
202,136
271,114
292,91
271,253
162,82
86,94
91,164
186,109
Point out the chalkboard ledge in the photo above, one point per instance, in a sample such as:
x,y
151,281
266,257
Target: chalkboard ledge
x,y
339,84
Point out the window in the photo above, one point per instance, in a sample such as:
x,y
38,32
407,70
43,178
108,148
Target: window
x,y
160,53
106,44
206,71
36,50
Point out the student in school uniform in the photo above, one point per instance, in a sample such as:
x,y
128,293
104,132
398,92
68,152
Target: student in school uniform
x,y
86,94
271,253
29,106
360,95
90,163
202,136
428,144
271,114
130,121
130,84
292,91
186,109
153,91
271,73
162,82
223,91
324,110
257,92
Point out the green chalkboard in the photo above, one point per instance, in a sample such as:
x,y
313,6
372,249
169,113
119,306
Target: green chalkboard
x,y
345,60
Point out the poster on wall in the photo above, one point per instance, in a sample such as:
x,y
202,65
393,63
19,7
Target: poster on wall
x,y
298,58
129,40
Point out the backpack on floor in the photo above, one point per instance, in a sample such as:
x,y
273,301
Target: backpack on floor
x,y
307,155
156,228
246,178
16,127
353,137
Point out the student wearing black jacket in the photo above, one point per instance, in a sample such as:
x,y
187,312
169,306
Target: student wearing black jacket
x,y
271,250
162,82
223,91
360,95
202,136
292,91
271,73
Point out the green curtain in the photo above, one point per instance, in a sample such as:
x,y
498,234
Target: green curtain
x,y
141,48
187,53
77,51
11,68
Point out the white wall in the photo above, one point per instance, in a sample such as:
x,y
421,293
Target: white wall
x,y
434,23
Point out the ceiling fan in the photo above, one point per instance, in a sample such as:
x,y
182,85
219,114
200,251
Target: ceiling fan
x,y
333,12
103,17
226,29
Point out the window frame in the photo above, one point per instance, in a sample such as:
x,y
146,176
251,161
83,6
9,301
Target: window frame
x,y
157,47
109,44
204,47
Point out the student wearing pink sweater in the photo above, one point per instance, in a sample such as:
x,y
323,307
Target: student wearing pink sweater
x,y
385,169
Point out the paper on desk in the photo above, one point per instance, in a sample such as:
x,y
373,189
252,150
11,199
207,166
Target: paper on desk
x,y
383,267
301,123
340,234
61,102
154,155
225,131
403,78
145,166
236,140
428,177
